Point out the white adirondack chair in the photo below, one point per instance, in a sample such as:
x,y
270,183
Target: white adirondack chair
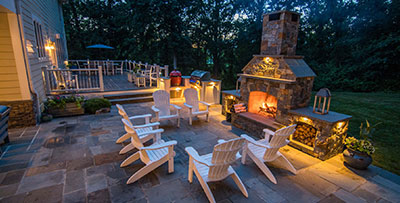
x,y
162,107
140,128
153,156
216,166
192,102
267,151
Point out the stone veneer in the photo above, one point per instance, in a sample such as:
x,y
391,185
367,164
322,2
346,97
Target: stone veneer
x,y
22,113
279,35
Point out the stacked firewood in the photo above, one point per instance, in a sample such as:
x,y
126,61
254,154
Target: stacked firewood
x,y
305,134
240,108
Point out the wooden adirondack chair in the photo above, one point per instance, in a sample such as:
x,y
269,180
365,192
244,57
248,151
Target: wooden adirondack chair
x,y
192,102
267,151
216,165
140,128
153,156
162,107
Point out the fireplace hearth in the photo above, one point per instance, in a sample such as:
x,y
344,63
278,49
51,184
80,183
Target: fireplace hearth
x,y
276,87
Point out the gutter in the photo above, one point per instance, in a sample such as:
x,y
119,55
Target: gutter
x,y
28,73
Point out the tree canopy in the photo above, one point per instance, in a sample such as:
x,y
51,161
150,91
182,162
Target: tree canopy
x,y
352,45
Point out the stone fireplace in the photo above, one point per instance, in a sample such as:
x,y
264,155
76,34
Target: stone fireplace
x,y
276,87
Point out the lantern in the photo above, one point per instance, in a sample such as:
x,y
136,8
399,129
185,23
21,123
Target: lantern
x,y
323,94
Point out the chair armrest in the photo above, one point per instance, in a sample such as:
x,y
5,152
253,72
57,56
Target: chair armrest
x,y
205,103
268,133
140,116
175,106
252,141
193,153
187,105
152,132
220,141
155,109
147,125
159,146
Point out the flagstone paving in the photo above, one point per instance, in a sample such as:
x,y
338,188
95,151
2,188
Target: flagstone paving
x,y
75,159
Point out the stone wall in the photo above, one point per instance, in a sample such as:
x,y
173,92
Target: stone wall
x,y
22,113
279,35
329,137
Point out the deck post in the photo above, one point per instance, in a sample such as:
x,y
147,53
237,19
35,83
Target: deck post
x,y
46,78
101,83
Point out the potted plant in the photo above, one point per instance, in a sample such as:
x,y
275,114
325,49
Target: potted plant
x,y
59,106
358,151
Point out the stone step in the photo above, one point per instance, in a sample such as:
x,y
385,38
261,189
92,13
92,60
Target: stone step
x,y
128,95
132,100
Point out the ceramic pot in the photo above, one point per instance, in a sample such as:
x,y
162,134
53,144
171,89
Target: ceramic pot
x,y
357,159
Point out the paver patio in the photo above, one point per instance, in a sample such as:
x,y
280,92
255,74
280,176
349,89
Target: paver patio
x,y
75,159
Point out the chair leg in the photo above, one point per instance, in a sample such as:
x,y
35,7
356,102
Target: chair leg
x,y
178,121
144,171
132,158
171,165
207,117
263,168
123,138
240,184
205,187
127,148
287,164
190,120
190,173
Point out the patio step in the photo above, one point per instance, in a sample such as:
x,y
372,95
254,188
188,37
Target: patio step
x,y
132,100
127,95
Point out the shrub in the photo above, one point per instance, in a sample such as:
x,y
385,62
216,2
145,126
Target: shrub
x,y
92,105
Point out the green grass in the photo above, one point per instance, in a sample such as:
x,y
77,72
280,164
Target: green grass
x,y
375,107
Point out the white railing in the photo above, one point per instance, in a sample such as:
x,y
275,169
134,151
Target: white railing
x,y
87,75
73,80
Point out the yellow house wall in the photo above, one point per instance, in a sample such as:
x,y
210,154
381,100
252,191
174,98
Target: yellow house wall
x,y
9,81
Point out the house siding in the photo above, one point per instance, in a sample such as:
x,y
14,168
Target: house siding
x,y
9,85
47,13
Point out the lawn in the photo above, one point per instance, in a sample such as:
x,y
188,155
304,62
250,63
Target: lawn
x,y
375,107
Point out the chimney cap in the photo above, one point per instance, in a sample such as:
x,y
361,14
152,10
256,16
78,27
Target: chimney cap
x,y
282,11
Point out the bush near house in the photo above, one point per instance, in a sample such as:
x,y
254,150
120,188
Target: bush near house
x,y
92,105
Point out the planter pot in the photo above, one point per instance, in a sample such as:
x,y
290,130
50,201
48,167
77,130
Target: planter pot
x,y
357,159
71,109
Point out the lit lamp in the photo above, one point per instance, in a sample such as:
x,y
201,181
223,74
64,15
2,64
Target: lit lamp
x,y
323,94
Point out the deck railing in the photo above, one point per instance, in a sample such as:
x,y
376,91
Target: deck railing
x,y
73,80
87,75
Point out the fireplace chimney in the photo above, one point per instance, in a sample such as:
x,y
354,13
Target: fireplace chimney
x,y
279,34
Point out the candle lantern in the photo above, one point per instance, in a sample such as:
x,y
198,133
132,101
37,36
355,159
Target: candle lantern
x,y
323,106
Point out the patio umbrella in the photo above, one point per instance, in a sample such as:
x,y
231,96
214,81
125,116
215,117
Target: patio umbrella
x,y
99,46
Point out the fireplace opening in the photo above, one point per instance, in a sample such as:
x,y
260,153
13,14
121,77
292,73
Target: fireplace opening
x,y
305,134
262,103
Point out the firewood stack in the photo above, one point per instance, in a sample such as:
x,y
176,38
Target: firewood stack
x,y
305,134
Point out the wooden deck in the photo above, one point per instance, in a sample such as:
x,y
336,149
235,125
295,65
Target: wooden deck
x,y
118,82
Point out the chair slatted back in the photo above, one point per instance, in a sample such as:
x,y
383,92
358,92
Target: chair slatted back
x,y
132,132
161,101
278,140
192,98
223,156
123,113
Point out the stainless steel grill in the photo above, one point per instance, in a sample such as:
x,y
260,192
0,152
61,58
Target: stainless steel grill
x,y
198,76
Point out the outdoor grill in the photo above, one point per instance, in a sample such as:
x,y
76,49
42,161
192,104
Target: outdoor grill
x,y
198,76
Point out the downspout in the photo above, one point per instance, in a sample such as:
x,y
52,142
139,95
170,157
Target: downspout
x,y
28,72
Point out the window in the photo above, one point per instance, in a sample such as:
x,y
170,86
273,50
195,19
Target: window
x,y
295,17
39,39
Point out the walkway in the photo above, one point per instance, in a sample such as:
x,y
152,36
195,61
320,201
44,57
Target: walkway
x,y
118,83
76,159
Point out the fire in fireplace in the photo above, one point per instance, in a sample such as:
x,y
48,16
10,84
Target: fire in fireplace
x,y
262,103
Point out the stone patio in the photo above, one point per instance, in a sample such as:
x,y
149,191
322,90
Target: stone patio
x,y
75,159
